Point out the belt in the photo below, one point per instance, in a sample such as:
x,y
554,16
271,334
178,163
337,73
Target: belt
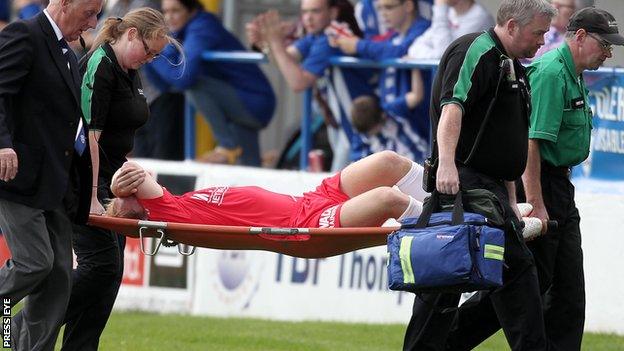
x,y
563,171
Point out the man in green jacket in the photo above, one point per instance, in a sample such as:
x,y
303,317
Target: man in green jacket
x,y
559,138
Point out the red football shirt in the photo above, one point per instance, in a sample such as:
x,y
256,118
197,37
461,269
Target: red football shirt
x,y
237,206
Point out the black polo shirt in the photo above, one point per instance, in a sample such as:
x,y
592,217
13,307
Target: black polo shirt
x,y
112,103
468,75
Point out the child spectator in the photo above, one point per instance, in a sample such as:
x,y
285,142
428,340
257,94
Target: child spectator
x,y
384,131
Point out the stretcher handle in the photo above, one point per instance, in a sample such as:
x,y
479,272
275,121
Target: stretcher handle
x,y
152,224
551,225
158,240
186,252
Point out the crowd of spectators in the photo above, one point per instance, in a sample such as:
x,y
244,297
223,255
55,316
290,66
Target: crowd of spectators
x,y
364,110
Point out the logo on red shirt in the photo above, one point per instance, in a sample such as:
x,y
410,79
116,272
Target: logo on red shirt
x,y
212,195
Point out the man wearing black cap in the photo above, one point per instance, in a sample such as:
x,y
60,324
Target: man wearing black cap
x,y
559,138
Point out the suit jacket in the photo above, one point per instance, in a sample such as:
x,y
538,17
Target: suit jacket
x,y
39,115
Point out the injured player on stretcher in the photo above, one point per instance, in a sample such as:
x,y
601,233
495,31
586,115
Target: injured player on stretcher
x,y
364,194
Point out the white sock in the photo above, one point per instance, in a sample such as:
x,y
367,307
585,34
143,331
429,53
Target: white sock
x,y
414,209
411,183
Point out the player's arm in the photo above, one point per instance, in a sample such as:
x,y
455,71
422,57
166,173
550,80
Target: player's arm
x,y
131,179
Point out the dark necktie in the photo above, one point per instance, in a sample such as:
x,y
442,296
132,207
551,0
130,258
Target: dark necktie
x,y
80,142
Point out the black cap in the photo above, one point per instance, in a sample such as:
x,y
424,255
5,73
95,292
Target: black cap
x,y
596,21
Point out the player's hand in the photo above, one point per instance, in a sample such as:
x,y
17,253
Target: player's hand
x,y
129,178
447,178
8,164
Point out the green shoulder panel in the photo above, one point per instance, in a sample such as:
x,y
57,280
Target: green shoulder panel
x,y
479,47
88,80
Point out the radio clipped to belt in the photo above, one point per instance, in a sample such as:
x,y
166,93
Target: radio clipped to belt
x,y
451,251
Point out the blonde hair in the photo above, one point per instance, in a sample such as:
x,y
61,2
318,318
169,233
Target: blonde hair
x,y
149,23
114,208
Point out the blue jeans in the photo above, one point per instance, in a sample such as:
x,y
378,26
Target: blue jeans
x,y
231,122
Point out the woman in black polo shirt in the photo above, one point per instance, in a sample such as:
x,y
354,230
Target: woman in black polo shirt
x,y
114,106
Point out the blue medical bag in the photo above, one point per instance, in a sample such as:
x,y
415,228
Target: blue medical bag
x,y
446,251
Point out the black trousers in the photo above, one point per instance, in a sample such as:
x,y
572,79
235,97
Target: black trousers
x,y
516,305
38,273
559,260
96,281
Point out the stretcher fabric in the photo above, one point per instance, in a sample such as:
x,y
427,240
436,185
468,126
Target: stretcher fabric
x,y
297,242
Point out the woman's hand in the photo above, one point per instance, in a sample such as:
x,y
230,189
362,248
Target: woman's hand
x,y
96,207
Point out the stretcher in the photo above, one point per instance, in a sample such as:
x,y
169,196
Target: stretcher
x,y
297,242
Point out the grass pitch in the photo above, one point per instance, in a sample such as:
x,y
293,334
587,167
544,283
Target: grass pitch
x,y
137,331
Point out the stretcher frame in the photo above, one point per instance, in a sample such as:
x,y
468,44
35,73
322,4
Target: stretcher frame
x,y
297,242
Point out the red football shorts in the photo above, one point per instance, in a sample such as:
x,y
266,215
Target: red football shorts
x,y
321,207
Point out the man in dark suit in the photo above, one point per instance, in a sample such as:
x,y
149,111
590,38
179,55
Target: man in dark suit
x,y
45,175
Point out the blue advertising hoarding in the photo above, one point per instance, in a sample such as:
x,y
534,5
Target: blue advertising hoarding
x,y
606,98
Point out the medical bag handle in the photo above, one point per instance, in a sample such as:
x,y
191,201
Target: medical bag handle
x,y
434,204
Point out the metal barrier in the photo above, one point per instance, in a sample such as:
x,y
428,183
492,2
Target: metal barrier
x,y
354,62
306,118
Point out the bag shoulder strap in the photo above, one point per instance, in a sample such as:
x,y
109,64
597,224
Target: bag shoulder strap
x,y
434,150
504,67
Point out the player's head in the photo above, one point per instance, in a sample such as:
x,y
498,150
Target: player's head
x,y
124,186
126,207
366,114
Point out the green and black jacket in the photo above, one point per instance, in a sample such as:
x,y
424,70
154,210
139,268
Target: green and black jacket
x,y
113,103
468,75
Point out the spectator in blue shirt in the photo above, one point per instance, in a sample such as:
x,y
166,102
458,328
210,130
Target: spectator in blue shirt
x,y
306,64
403,95
236,99
368,19
371,23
